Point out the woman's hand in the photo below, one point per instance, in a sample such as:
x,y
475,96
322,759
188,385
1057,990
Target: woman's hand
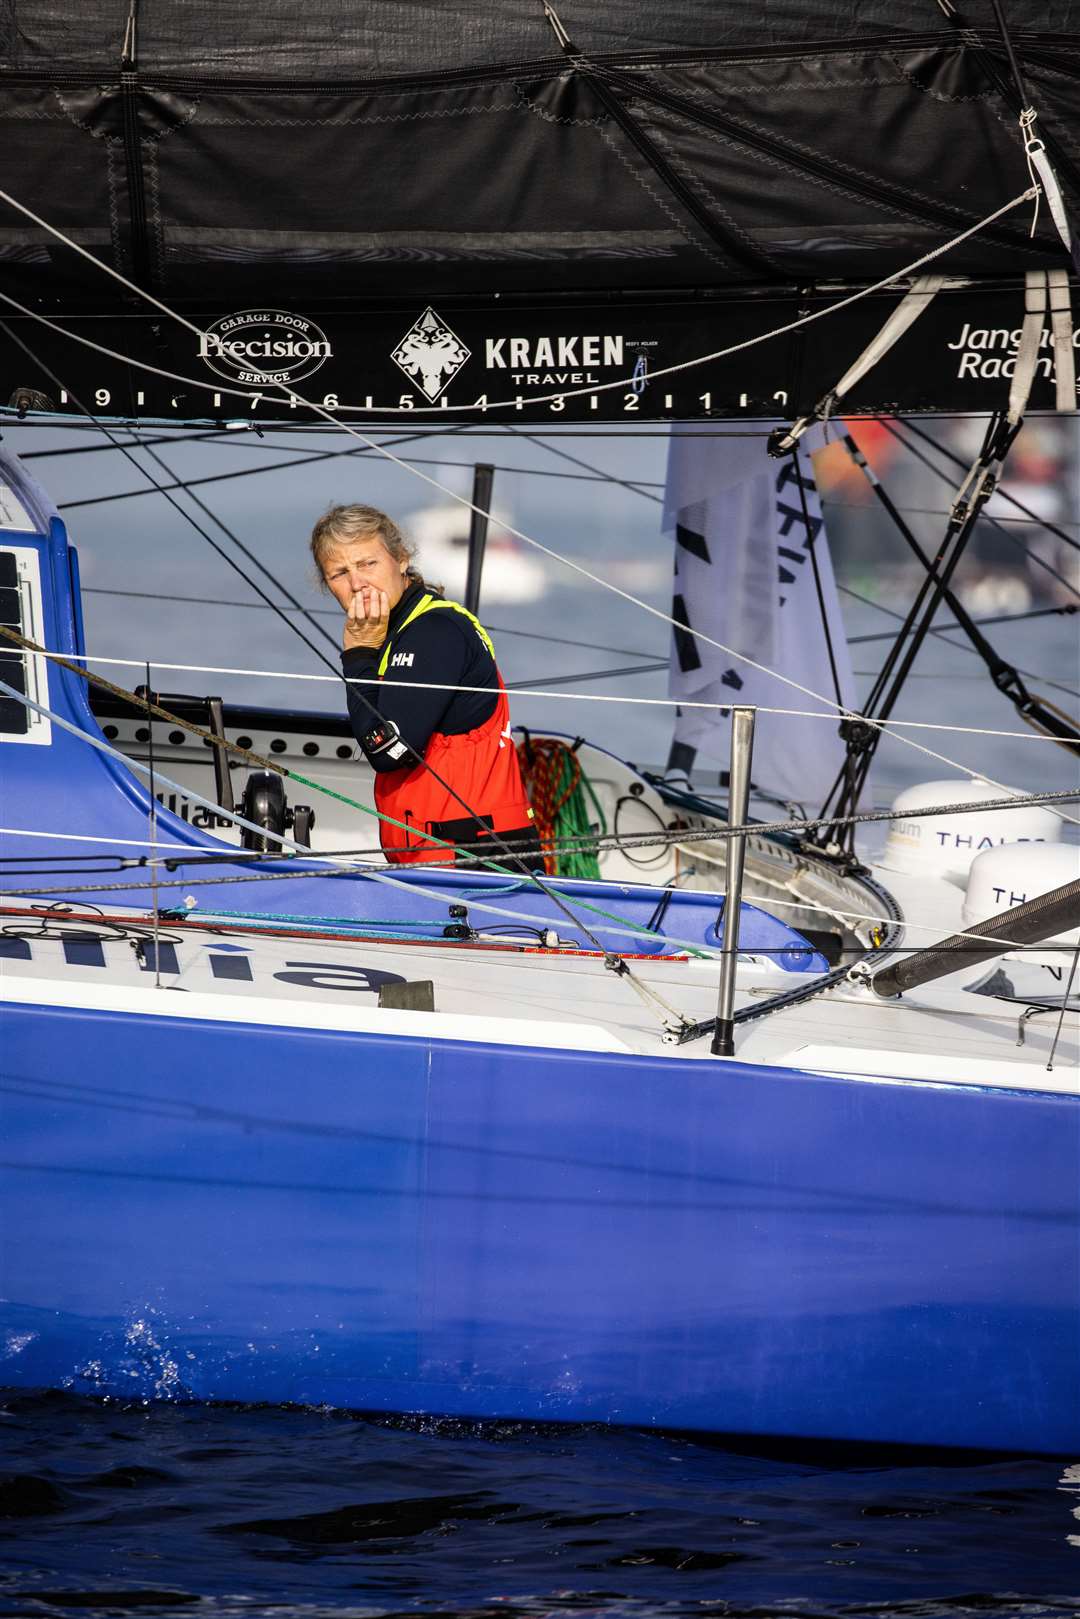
x,y
368,618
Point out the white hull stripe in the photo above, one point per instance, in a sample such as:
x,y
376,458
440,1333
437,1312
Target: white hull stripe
x,y
191,1005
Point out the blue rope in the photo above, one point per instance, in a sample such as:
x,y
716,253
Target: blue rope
x,y
348,924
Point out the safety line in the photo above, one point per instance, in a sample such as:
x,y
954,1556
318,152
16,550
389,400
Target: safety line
x,y
612,842
267,917
656,1002
543,691
211,738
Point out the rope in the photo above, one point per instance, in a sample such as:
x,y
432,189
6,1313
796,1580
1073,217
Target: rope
x,y
522,916
560,793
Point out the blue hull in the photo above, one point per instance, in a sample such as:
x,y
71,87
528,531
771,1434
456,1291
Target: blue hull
x,y
225,1212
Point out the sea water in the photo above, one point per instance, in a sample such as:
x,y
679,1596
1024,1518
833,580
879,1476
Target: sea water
x,y
107,1508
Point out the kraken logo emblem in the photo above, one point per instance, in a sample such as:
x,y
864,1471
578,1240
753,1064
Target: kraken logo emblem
x,y
431,354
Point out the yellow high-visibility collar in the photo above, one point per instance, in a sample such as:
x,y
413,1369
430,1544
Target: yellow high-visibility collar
x,y
428,604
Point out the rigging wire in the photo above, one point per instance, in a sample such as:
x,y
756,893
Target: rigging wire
x,y
238,430
695,947
213,436
983,623
671,1019
255,433
939,511
1036,712
246,551
608,841
544,682
593,474
333,612
585,697
310,460
862,741
939,632
125,450
653,659
635,487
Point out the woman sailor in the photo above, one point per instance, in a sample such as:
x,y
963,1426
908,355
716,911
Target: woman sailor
x,y
432,714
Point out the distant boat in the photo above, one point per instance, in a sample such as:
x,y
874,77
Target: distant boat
x,y
441,534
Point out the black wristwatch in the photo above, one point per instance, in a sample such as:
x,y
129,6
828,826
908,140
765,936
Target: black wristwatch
x,y
384,738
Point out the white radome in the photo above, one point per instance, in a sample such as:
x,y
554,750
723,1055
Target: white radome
x,y
945,845
1004,877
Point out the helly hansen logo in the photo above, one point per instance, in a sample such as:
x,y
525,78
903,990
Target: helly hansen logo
x,y
401,660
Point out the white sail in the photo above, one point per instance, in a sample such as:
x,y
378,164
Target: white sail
x,y
745,577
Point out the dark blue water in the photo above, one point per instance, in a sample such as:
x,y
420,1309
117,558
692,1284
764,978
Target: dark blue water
x,y
107,1509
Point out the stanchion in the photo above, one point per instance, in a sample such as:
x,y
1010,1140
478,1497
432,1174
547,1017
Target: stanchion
x,y
742,753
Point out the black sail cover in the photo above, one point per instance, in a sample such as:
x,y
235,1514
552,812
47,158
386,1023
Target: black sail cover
x,y
477,208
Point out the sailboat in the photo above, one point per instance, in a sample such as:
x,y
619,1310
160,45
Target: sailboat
x,y
740,1132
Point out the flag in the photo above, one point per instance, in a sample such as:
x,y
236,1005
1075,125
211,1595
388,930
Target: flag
x,y
743,526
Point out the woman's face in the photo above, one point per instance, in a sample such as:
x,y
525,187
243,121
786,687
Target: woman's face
x,y
351,565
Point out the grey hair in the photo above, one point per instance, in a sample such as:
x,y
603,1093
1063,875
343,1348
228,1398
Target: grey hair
x,y
340,524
